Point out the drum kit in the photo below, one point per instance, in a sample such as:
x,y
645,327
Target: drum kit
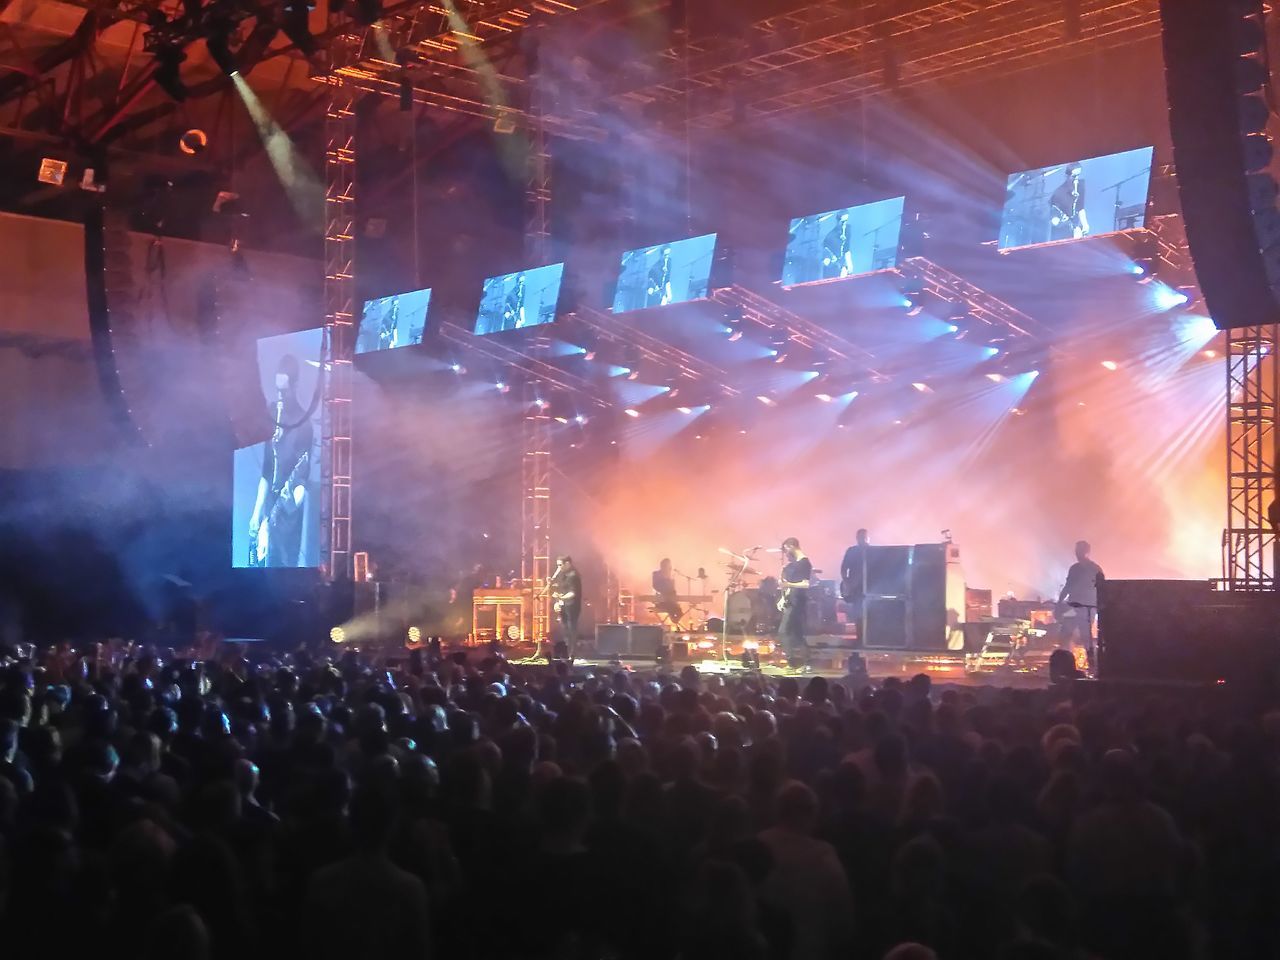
x,y
751,596
749,601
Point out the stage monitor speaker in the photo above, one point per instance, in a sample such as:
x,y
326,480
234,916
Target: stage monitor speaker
x,y
886,623
1183,631
1217,79
628,639
644,639
611,639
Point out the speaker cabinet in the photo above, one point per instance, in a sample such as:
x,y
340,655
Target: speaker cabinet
x,y
628,639
886,620
1180,631
611,639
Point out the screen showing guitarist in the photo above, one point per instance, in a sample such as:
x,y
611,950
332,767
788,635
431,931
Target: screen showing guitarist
x,y
275,528
1067,217
797,572
566,594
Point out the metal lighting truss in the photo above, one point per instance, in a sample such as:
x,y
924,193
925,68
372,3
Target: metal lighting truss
x,y
1249,542
983,307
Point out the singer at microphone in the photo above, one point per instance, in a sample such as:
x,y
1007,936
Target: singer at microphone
x,y
275,526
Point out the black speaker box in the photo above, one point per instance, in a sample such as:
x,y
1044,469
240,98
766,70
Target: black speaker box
x,y
1180,631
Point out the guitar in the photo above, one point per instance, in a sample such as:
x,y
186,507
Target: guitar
x,y
1061,218
262,543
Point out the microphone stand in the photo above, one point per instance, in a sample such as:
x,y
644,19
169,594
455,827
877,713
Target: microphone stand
x,y
1115,215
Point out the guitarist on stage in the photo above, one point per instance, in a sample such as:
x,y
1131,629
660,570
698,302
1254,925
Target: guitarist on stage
x,y
797,571
282,488
566,594
853,578
1080,593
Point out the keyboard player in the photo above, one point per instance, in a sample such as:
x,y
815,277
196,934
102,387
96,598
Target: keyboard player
x,y
664,587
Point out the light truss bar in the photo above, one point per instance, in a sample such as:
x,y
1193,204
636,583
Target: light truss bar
x,y
1249,543
445,47
654,350
537,234
525,360
834,52
983,306
764,312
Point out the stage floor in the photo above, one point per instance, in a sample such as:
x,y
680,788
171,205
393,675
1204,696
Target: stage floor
x,y
1028,671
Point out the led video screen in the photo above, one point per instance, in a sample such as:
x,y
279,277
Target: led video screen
x,y
395,321
1077,199
516,300
668,273
843,243
275,505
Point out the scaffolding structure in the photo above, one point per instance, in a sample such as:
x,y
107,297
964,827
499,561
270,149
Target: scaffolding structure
x,y
831,52
535,502
339,331
1249,541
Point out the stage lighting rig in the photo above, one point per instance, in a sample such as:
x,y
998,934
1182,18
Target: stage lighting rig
x,y
296,24
167,75
218,43
368,12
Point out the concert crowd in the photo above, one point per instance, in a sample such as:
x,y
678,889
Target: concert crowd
x,y
158,807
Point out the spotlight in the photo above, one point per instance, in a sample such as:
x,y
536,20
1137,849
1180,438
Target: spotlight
x,y
913,299
338,635
52,171
456,367
1165,297
580,419
501,387
193,142
1110,364
766,400
1146,258
631,412
825,397
922,387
